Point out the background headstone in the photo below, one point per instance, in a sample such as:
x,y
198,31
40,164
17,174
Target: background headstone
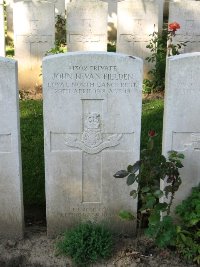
x,y
11,203
2,30
112,20
34,35
137,19
9,18
92,121
187,14
87,25
181,130
60,7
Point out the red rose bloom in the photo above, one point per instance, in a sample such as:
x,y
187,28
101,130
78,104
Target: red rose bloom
x,y
152,133
174,26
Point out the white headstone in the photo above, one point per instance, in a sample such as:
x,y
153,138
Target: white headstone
x,y
137,19
9,19
2,30
11,203
112,20
92,119
181,130
187,14
60,7
34,35
87,25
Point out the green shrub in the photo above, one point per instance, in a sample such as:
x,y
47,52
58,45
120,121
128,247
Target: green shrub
x,y
60,37
147,173
160,47
60,34
163,232
189,209
86,244
188,234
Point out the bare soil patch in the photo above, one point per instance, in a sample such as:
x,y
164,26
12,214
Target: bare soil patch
x,y
36,250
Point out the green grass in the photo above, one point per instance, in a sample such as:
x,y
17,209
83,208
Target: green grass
x,y
32,152
10,51
152,118
33,144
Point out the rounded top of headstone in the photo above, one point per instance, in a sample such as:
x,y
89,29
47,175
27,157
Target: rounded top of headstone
x,y
8,60
36,1
183,56
93,53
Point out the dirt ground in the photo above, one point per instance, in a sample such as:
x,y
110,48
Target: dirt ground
x,y
36,250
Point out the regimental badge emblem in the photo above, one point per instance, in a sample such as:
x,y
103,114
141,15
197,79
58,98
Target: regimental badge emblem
x,y
93,141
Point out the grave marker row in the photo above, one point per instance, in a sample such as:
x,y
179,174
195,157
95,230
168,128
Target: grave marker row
x,y
87,29
92,122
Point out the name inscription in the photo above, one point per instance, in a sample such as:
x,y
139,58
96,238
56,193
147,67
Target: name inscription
x,y
98,79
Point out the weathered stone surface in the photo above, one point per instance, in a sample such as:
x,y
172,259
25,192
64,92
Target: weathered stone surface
x,y
11,207
92,118
2,31
87,25
60,7
9,18
34,35
181,130
138,19
187,14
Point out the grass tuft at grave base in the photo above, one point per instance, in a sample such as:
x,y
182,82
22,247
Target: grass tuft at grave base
x,y
33,144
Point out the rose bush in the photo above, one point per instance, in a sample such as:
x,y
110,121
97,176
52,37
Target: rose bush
x,y
161,46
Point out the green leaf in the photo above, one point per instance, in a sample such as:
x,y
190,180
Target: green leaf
x,y
145,189
136,166
150,202
179,164
180,156
131,179
158,193
154,218
183,237
161,206
121,174
168,189
130,168
126,215
134,194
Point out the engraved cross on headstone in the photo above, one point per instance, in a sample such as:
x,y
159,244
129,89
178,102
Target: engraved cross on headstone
x,y
92,142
